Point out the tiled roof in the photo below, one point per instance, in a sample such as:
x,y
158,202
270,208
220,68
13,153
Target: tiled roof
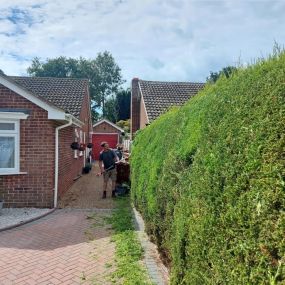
x,y
159,96
65,93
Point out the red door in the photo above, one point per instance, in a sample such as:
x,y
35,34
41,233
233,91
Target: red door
x,y
111,139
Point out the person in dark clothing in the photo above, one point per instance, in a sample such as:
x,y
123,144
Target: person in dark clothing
x,y
107,164
119,151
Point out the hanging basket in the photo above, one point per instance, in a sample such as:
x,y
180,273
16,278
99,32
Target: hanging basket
x,y
82,147
90,145
75,145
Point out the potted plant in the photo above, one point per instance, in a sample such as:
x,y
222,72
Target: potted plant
x,y
90,145
86,169
89,165
75,145
82,147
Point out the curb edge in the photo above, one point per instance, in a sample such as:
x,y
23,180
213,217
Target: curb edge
x,y
27,221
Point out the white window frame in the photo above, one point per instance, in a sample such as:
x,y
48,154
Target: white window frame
x,y
16,135
13,117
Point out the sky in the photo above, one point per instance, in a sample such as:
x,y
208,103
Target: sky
x,y
170,40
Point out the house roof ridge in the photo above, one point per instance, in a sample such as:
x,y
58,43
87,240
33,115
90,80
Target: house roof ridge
x,y
48,77
171,82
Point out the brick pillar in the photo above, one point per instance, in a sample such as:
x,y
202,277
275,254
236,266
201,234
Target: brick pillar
x,y
135,107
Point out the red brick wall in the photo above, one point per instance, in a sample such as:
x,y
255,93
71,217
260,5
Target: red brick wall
x,y
37,155
105,128
135,107
70,167
34,189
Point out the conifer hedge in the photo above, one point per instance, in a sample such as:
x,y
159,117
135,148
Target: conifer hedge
x,y
209,180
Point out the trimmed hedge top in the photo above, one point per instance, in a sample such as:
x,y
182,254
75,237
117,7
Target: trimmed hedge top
x,y
209,179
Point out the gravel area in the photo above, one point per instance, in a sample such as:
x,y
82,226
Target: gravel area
x,y
14,216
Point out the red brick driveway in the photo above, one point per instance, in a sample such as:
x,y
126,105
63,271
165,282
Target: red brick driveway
x,y
61,248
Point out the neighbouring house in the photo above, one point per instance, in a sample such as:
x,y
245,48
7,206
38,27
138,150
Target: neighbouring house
x,y
149,99
104,130
39,120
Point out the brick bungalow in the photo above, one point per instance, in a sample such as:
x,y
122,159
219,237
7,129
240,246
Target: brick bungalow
x,y
149,99
39,119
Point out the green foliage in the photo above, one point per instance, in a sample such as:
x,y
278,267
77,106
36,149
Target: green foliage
x,y
226,71
125,125
129,253
124,104
117,107
209,179
103,73
111,109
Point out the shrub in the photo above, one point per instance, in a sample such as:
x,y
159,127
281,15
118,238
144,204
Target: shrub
x,y
209,180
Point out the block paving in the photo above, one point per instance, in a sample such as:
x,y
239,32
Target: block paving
x,y
61,248
71,246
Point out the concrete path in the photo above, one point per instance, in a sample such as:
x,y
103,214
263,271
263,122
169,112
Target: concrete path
x,y
62,248
87,193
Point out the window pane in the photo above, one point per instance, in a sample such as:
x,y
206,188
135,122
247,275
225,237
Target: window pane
x,y
7,152
7,126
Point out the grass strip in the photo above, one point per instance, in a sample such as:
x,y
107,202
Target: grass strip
x,y
129,253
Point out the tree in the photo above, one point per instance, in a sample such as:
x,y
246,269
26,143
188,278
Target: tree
x,y
124,104
108,79
226,71
124,124
2,72
118,107
103,73
111,109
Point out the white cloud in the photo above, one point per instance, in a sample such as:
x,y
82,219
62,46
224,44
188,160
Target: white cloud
x,y
150,39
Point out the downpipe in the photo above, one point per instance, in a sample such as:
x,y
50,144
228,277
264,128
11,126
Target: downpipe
x,y
56,160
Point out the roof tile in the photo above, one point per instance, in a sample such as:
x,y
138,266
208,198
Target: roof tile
x,y
159,96
65,93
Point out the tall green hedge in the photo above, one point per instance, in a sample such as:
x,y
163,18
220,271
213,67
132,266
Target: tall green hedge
x,y
209,180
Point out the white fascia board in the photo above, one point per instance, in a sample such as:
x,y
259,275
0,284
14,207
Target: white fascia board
x,y
13,115
108,122
53,111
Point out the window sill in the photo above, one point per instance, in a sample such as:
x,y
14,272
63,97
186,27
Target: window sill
x,y
13,173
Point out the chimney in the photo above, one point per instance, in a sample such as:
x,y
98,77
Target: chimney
x,y
135,106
